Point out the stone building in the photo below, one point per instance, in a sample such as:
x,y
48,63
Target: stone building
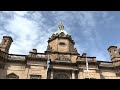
x,y
60,61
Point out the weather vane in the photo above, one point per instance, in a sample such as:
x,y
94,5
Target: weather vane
x,y
60,26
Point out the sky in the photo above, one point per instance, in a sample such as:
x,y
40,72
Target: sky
x,y
92,31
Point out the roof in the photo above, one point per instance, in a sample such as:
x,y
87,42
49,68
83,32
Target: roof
x,y
61,29
8,37
106,64
111,47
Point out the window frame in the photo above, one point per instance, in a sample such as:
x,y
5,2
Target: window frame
x,y
62,44
35,76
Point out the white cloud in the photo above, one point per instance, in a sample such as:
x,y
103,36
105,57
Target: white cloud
x,y
26,34
30,29
100,55
20,13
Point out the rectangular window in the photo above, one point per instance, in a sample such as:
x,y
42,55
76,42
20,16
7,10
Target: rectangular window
x,y
35,76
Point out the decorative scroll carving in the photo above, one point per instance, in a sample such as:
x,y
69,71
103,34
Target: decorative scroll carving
x,y
75,50
64,58
61,34
49,48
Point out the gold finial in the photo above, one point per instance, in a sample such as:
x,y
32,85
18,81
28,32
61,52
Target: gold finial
x,y
60,26
60,23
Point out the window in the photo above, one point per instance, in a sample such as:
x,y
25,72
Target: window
x,y
62,44
86,78
12,76
61,76
89,78
35,76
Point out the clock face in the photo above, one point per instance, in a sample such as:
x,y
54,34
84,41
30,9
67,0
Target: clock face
x,y
62,44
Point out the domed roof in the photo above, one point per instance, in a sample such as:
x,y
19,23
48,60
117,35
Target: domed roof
x,y
61,33
61,29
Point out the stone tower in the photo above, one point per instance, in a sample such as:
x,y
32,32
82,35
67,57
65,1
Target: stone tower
x,y
61,45
5,44
62,54
114,55
61,41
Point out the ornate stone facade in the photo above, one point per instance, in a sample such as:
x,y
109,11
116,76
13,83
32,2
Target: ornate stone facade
x,y
60,61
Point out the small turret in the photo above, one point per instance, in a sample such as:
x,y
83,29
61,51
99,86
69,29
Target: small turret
x,y
33,52
113,51
84,54
6,43
114,55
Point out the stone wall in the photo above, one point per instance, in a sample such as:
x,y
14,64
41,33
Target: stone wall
x,y
22,70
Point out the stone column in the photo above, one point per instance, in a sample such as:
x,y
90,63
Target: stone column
x,y
27,72
51,74
73,74
79,76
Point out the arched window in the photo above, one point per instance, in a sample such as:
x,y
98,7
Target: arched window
x,y
61,76
12,76
62,44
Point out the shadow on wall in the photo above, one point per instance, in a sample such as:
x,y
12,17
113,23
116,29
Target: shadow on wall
x,y
3,71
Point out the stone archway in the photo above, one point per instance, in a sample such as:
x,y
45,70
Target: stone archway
x,y
61,76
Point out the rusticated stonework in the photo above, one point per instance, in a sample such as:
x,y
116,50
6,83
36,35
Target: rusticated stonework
x,y
64,61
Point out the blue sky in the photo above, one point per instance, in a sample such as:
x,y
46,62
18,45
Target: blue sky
x,y
93,31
